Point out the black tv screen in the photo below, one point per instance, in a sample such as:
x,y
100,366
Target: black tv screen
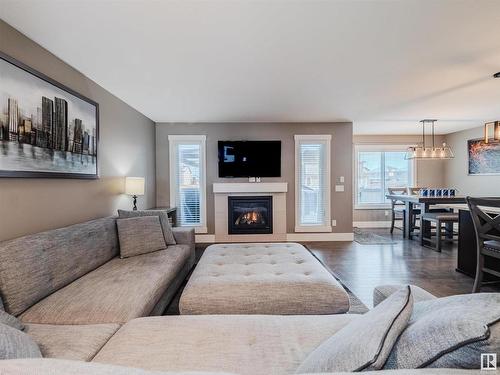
x,y
249,158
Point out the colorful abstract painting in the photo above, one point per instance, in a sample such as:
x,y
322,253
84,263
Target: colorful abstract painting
x,y
484,158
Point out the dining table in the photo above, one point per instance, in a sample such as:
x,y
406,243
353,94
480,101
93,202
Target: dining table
x,y
425,204
467,245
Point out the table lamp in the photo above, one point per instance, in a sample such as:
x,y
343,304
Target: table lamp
x,y
134,186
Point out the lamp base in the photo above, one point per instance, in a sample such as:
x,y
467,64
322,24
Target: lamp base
x,y
135,202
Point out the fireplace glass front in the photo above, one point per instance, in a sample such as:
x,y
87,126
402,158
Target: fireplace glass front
x,y
250,215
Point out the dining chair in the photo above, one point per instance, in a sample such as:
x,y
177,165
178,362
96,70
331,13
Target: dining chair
x,y
413,190
487,228
397,207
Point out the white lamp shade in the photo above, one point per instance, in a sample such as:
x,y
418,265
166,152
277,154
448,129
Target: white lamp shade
x,y
134,185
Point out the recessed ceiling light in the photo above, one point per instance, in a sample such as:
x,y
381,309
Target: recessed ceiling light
x,y
496,75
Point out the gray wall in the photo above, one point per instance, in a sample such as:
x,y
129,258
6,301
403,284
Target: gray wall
x,y
456,172
341,161
429,172
127,147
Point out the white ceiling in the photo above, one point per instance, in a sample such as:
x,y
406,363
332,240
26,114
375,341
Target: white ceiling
x,y
382,64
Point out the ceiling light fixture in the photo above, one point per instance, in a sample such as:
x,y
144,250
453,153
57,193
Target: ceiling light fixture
x,y
496,75
496,131
424,152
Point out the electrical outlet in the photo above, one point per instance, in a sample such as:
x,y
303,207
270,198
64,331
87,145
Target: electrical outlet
x,y
334,223
339,188
342,179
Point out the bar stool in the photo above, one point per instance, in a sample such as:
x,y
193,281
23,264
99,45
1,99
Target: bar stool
x,y
487,227
439,218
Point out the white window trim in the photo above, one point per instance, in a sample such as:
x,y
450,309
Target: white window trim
x,y
173,140
327,138
378,147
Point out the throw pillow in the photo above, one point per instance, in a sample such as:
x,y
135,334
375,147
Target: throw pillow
x,y
16,344
381,292
10,320
365,343
140,235
165,224
449,332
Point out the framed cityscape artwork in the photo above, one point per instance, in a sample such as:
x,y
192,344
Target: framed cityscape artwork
x,y
46,129
484,158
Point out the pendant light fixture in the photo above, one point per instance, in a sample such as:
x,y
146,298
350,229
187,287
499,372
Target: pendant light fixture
x,y
426,152
496,131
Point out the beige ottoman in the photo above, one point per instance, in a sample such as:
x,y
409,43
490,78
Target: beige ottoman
x,y
262,278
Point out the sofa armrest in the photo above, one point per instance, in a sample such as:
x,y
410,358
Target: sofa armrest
x,y
183,236
381,292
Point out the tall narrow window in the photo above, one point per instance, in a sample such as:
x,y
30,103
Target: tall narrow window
x,y
312,183
378,168
188,180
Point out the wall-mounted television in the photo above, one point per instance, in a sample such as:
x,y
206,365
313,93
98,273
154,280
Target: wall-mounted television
x,y
249,158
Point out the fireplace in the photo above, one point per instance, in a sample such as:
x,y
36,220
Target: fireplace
x,y
250,215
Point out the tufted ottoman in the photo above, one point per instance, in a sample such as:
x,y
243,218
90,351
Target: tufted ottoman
x,y
262,278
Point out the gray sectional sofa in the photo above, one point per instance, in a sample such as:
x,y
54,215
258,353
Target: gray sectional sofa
x,y
74,276
90,311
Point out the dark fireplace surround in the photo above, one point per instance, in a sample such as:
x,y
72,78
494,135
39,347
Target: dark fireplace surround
x,y
250,215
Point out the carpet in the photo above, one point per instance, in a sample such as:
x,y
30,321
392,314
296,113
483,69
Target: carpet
x,y
365,237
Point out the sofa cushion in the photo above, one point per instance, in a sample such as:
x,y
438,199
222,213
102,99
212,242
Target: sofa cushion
x,y
243,344
34,266
263,278
140,235
10,320
116,292
449,332
365,343
76,342
165,223
50,366
16,344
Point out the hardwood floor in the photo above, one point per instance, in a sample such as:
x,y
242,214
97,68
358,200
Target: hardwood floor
x,y
363,267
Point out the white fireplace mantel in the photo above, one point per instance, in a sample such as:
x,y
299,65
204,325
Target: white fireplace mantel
x,y
250,187
223,190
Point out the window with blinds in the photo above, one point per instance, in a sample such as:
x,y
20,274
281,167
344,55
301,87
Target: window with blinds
x,y
187,180
312,154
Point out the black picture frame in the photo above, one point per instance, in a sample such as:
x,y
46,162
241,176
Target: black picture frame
x,y
56,174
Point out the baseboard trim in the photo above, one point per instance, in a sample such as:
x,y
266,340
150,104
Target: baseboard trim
x,y
371,224
312,237
302,237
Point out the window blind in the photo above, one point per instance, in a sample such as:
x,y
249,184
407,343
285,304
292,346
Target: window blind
x,y
188,177
312,175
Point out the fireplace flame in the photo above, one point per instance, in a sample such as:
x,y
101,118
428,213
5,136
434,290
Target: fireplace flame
x,y
249,218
